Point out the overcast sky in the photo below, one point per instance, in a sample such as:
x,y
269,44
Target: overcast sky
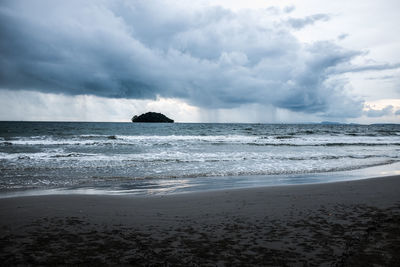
x,y
200,61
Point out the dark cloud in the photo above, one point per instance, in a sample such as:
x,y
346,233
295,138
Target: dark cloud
x,y
372,67
374,113
289,9
299,23
385,77
210,57
343,36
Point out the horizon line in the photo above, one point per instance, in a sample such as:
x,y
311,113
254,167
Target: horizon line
x,y
177,122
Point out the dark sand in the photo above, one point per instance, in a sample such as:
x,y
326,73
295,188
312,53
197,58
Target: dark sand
x,y
353,223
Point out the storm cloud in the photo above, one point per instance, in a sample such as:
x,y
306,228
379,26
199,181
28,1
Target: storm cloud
x,y
299,23
210,57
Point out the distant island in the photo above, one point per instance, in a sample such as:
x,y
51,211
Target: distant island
x,y
152,117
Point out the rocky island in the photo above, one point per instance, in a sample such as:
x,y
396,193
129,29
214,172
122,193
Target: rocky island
x,y
151,117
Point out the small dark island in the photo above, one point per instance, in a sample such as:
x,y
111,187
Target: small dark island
x,y
152,117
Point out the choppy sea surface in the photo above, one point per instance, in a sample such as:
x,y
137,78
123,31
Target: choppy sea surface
x,y
163,158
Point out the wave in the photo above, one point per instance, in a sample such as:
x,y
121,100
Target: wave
x,y
279,137
6,143
283,171
178,157
324,144
44,156
109,178
273,172
279,140
71,155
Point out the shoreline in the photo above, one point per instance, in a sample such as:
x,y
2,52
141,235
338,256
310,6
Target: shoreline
x,y
343,223
209,184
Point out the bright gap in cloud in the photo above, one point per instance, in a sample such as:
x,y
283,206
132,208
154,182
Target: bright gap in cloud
x,y
36,106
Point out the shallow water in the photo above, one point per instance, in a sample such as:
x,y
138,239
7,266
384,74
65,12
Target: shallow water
x,y
139,158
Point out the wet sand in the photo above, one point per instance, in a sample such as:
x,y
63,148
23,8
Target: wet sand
x,y
355,223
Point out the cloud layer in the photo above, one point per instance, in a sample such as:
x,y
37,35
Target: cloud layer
x,y
210,57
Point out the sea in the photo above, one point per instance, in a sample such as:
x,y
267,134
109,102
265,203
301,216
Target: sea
x,y
147,158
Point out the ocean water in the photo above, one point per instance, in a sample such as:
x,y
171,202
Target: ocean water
x,y
156,158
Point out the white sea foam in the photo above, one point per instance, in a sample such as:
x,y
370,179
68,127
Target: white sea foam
x,y
300,140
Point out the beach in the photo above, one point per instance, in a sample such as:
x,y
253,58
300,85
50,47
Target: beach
x,y
353,223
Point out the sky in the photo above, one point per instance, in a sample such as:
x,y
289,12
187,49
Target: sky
x,y
201,60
